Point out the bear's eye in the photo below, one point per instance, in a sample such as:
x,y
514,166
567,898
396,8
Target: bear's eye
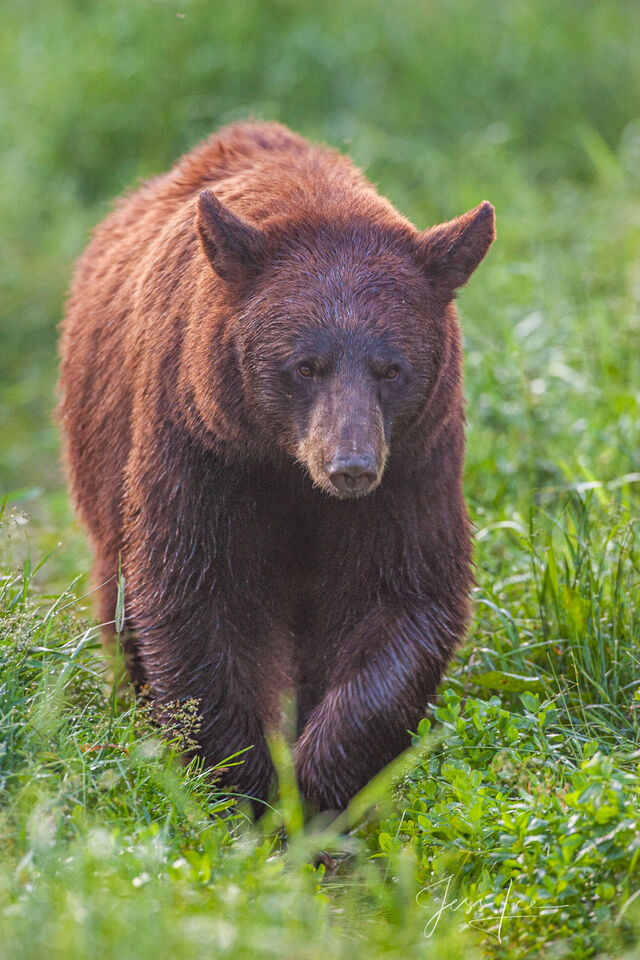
x,y
305,370
391,373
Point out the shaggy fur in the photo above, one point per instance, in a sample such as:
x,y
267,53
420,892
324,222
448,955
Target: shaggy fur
x,y
262,407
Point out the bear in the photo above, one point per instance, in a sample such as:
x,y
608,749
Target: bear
x,y
263,418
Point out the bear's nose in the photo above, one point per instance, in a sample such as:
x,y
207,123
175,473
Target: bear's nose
x,y
352,473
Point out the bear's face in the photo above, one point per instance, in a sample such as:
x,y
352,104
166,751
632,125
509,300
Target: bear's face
x,y
340,330
335,356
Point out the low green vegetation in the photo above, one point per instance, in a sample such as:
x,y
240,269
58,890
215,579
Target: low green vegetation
x,y
512,828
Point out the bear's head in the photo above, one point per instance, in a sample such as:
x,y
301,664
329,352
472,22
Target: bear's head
x,y
341,328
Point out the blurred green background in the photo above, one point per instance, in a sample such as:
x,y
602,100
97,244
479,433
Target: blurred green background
x,y
532,105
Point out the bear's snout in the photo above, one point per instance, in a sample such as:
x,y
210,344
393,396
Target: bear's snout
x,y
345,449
353,474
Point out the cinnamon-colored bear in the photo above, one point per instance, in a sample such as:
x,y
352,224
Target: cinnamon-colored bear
x,y
263,413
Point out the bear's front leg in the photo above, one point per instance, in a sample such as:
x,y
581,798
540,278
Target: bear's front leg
x,y
390,664
198,600
198,652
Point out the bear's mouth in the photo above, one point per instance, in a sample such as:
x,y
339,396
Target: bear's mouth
x,y
346,464
346,488
342,479
349,486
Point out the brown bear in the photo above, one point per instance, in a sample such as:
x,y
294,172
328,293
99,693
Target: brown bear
x,y
263,413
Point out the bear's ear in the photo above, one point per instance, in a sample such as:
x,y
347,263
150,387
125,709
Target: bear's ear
x,y
236,250
450,252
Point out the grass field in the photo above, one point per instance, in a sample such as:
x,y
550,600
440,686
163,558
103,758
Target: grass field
x,y
513,827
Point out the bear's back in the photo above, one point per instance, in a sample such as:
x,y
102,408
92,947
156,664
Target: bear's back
x,y
260,170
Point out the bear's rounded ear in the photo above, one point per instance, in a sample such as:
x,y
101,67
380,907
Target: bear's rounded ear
x,y
236,249
450,252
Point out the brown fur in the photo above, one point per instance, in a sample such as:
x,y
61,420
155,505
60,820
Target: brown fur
x,y
263,414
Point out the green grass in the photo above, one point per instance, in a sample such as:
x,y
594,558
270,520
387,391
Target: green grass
x,y
526,782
